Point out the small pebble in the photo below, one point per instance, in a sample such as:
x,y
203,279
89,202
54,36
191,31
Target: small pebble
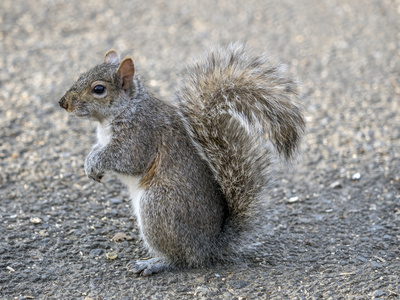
x,y
36,220
112,255
293,199
120,237
96,252
239,284
379,293
363,259
115,201
387,237
356,176
10,269
376,264
336,185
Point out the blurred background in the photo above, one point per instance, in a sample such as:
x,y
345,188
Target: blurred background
x,y
345,55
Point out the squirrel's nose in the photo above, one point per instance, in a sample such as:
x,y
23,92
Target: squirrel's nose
x,y
63,103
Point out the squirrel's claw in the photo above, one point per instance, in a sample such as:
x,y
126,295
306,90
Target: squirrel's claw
x,y
96,177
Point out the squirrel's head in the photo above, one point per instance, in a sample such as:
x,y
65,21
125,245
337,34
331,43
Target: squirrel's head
x,y
95,92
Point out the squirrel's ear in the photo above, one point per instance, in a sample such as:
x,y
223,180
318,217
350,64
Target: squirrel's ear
x,y
125,72
112,57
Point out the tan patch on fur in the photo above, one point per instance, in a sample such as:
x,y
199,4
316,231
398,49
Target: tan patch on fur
x,y
148,177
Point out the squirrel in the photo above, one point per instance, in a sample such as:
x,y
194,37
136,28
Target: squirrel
x,y
198,167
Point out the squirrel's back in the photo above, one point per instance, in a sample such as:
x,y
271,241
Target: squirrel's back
x,y
242,114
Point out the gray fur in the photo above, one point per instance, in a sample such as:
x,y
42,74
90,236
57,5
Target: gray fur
x,y
205,163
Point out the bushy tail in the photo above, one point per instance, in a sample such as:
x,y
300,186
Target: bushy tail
x,y
242,114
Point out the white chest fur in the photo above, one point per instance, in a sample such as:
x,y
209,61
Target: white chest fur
x,y
132,182
104,133
135,193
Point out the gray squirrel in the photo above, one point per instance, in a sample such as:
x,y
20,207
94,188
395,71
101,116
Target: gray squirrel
x,y
197,168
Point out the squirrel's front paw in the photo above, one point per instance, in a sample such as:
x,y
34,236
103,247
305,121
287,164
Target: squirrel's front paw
x,y
96,177
91,171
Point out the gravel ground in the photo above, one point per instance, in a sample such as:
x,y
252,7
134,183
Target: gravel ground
x,y
332,224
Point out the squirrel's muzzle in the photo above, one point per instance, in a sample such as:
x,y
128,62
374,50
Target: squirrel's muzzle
x,y
63,103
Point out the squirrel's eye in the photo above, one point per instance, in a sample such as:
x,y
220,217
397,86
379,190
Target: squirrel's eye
x,y
99,89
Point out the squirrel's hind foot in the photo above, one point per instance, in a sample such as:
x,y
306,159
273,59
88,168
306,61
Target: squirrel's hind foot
x,y
148,267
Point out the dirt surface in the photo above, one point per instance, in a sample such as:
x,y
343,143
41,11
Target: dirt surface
x,y
332,225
